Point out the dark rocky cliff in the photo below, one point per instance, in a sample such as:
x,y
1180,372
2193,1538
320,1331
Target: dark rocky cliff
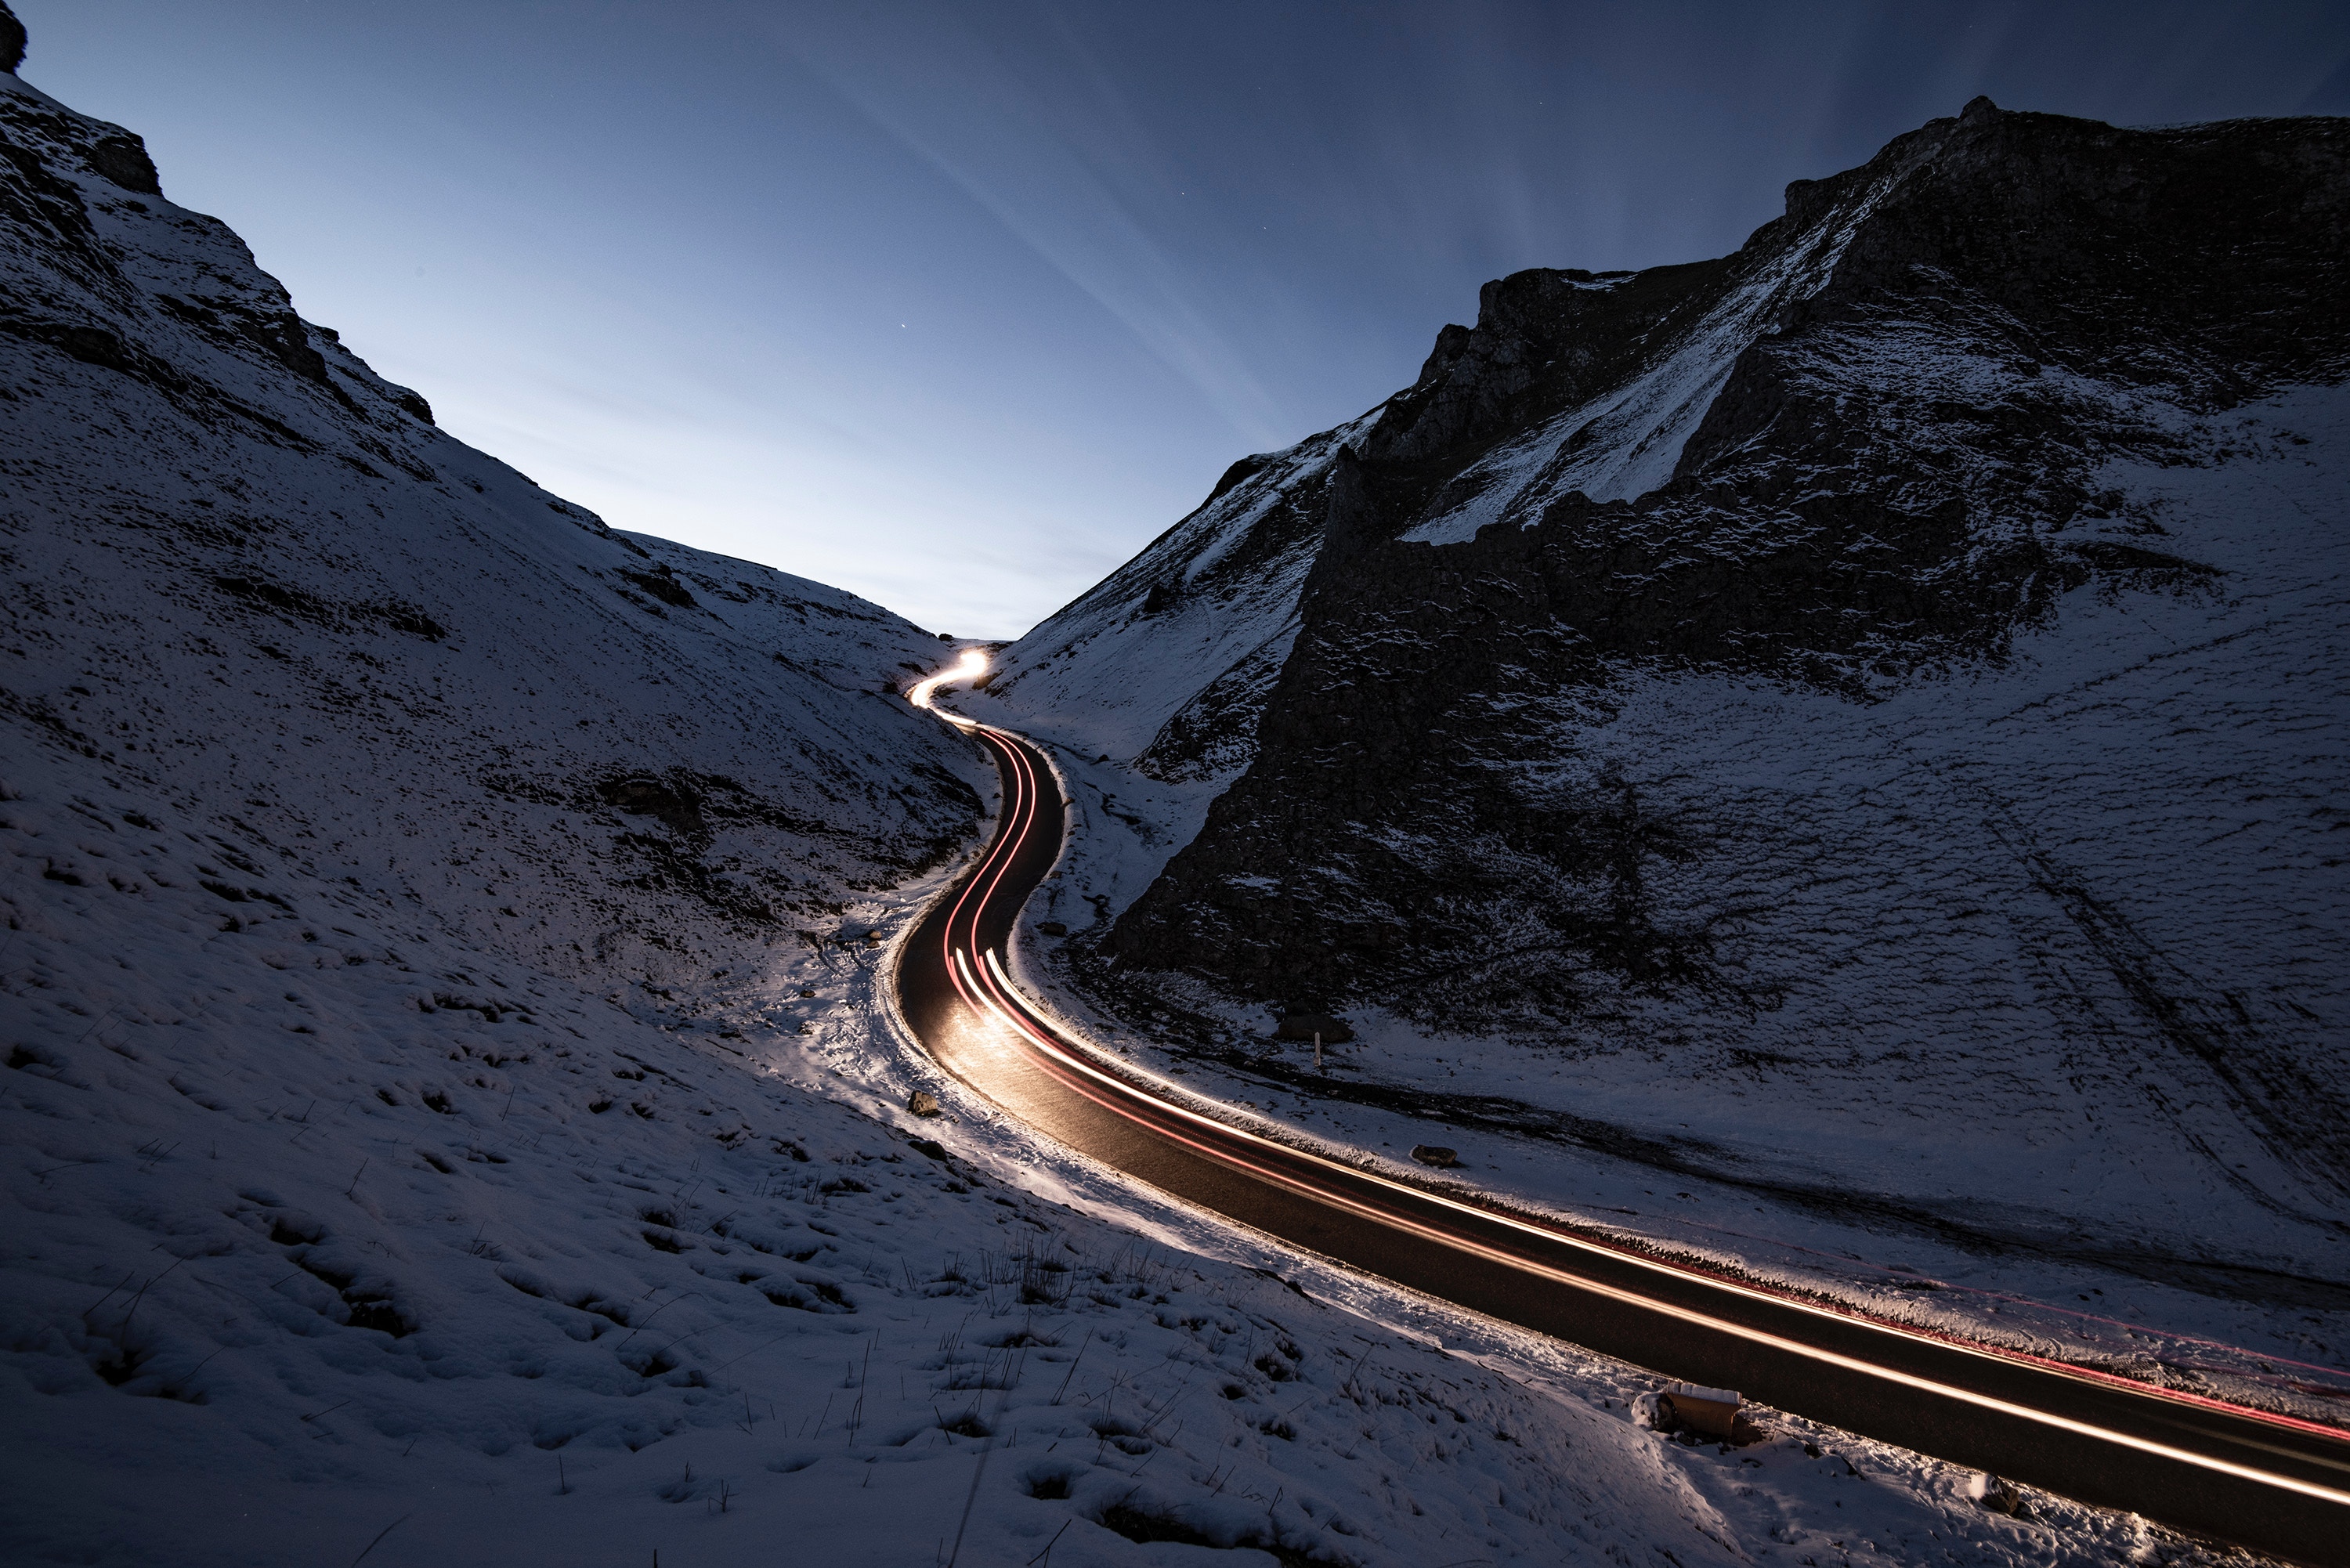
x,y
1898,472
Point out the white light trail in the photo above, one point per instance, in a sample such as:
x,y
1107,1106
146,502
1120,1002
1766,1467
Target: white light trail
x,y
974,666
1057,1051
980,977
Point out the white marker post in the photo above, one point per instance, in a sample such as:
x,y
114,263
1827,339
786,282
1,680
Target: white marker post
x,y
1317,1050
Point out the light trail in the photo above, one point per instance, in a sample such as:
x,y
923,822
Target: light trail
x,y
2102,1423
1066,1054
1000,999
974,666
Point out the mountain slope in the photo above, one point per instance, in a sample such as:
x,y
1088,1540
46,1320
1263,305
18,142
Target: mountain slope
x,y
1859,718
1908,306
253,577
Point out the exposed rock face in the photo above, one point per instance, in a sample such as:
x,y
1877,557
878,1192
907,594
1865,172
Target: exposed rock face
x,y
1918,459
1916,299
1897,469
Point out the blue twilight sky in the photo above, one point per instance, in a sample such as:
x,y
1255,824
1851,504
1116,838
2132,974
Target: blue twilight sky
x,y
959,305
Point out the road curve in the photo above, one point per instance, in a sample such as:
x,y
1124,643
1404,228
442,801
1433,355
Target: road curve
x,y
2268,1482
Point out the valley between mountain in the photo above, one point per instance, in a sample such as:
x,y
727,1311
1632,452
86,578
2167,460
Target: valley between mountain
x,y
454,1111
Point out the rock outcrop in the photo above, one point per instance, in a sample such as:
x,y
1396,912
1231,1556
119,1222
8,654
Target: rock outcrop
x,y
1698,662
12,41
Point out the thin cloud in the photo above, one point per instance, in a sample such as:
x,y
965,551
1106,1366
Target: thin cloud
x,y
947,97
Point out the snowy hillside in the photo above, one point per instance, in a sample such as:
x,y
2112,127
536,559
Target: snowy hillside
x,y
2027,978
1572,383
442,1123
1166,662
256,587
1854,727
382,1241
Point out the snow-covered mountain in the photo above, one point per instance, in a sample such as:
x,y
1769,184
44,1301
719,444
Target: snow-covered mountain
x,y
439,1126
313,636
1860,721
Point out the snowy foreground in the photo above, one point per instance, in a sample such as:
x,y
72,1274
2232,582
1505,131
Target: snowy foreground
x,y
331,1229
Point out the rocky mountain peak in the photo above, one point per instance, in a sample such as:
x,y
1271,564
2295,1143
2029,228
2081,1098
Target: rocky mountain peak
x,y
1978,110
2037,247
1578,647
12,41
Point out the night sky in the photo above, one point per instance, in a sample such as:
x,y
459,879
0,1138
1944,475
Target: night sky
x,y
958,306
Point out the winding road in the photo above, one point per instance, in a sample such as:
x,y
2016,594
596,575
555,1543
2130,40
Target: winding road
x,y
2266,1481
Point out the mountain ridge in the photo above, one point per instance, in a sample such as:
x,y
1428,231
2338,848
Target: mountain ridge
x,y
1520,371
1954,694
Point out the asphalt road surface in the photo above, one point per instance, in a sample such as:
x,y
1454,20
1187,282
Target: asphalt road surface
x,y
2265,1481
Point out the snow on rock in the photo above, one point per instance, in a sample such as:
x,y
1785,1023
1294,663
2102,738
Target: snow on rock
x,y
1844,738
1164,664
1627,440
